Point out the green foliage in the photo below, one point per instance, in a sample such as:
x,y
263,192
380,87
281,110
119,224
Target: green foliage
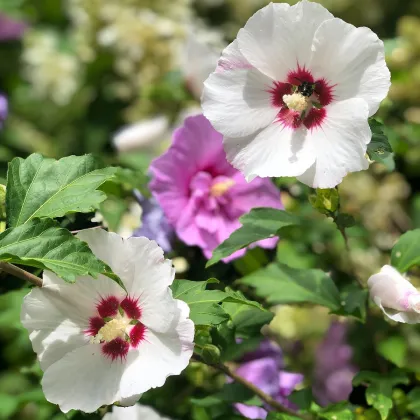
x,y
406,252
279,283
258,224
39,187
379,388
394,349
44,244
379,148
205,308
326,201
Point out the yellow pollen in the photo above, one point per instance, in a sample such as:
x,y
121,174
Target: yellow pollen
x,y
220,188
113,329
296,102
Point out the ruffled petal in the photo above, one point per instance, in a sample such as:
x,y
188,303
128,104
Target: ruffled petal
x,y
339,144
278,38
238,103
159,355
73,382
274,151
355,72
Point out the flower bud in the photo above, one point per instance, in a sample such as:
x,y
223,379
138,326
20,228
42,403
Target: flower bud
x,y
210,354
395,295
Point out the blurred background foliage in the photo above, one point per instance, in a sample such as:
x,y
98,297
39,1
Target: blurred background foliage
x,y
83,69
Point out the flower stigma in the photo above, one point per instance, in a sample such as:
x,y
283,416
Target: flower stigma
x,y
296,102
220,188
115,328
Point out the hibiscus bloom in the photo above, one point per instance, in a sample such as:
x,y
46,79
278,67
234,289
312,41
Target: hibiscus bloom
x,y
98,343
395,295
136,412
202,195
292,94
334,370
264,369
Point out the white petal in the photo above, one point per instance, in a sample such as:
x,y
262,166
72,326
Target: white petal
x,y
146,275
399,316
199,60
141,135
390,287
136,412
278,37
83,380
238,103
274,151
232,59
53,331
159,355
356,63
340,144
57,314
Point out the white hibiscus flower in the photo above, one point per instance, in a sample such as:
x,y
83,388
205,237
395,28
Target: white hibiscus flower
x,y
98,343
395,295
136,412
292,94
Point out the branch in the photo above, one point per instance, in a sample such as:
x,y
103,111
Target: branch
x,y
21,274
342,230
257,391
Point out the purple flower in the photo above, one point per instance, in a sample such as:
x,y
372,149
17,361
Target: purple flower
x,y
11,29
154,224
263,368
334,370
4,108
202,195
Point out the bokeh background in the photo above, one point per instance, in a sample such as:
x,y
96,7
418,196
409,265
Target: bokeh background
x,y
75,72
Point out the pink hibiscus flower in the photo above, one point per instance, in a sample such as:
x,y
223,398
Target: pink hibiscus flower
x,y
202,195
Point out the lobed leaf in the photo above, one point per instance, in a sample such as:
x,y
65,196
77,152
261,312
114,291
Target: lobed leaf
x,y
279,283
42,243
259,223
39,187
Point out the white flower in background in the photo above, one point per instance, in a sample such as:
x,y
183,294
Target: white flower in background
x,y
136,412
130,220
395,295
142,135
98,343
292,94
54,73
199,59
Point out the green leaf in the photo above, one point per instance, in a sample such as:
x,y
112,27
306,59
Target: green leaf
x,y
279,283
379,396
248,320
258,224
379,388
393,349
302,398
39,187
353,301
338,411
8,405
280,416
414,401
204,308
406,252
379,148
230,393
44,244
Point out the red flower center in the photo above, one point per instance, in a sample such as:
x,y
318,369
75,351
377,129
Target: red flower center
x,y
116,326
313,95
